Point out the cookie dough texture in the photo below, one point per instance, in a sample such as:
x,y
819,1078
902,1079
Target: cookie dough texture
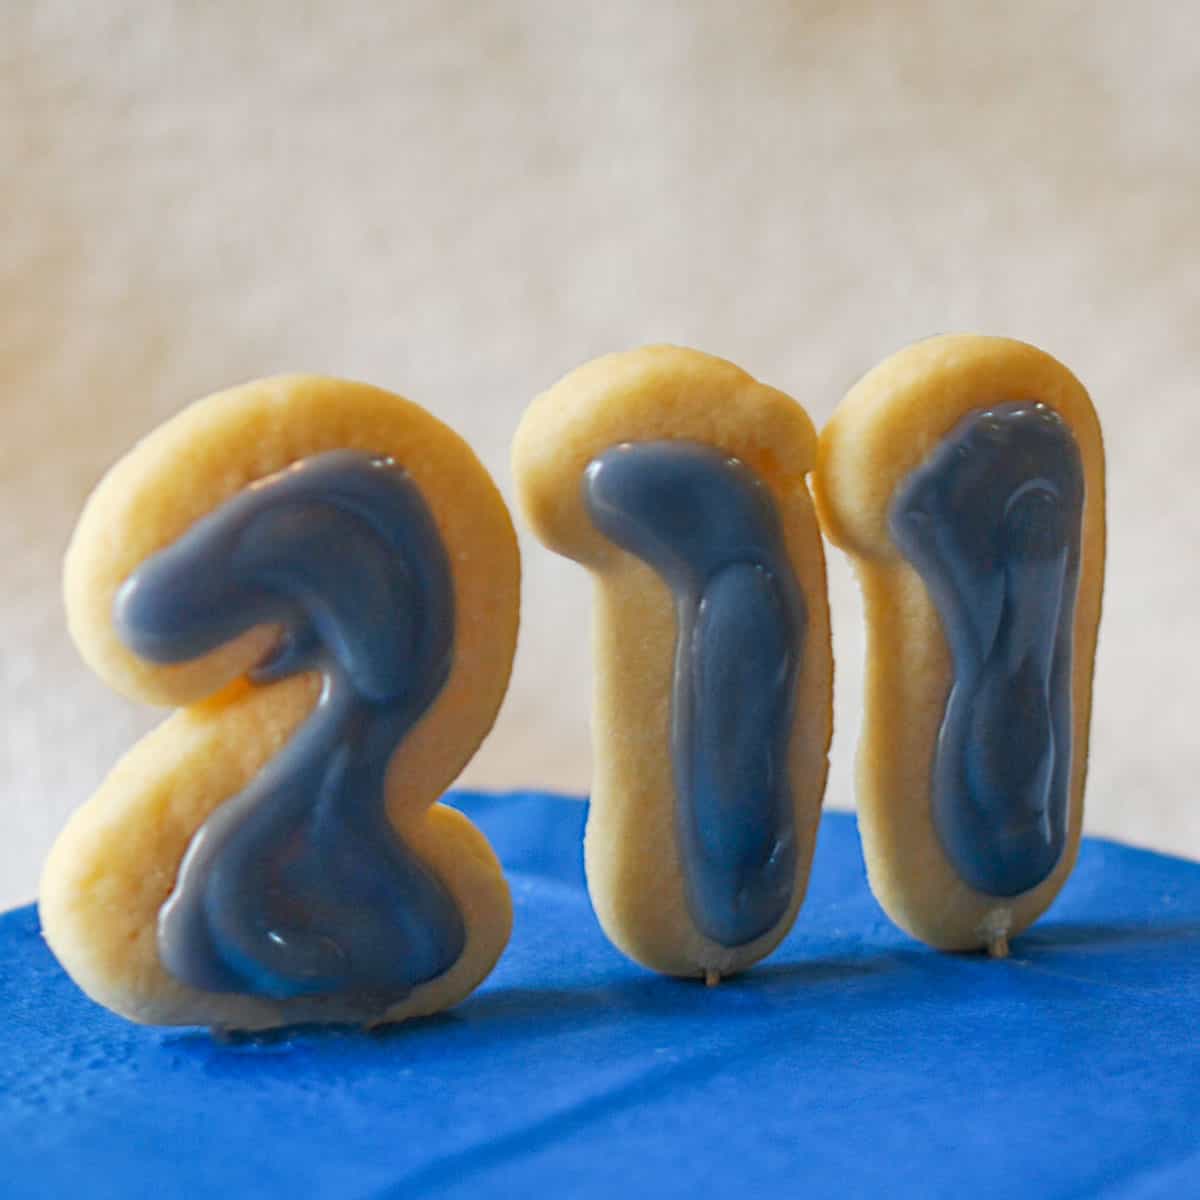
x,y
883,429
115,863
658,393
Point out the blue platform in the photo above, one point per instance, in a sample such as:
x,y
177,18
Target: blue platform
x,y
854,1062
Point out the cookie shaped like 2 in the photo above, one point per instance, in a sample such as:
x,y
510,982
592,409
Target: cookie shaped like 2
x,y
965,477
679,481
324,579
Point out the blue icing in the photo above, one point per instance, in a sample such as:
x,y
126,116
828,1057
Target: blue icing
x,y
708,526
299,885
992,522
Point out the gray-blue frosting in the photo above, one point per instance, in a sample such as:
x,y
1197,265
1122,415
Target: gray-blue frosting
x,y
708,526
299,885
992,522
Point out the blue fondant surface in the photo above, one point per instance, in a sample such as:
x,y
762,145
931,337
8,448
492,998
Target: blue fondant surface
x,y
854,1062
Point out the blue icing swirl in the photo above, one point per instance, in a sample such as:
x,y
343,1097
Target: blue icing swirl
x,y
992,522
298,885
708,526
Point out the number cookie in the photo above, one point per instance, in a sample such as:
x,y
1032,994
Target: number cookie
x,y
965,477
679,482
324,580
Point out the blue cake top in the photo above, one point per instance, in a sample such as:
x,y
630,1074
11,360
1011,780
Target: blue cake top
x,y
854,1062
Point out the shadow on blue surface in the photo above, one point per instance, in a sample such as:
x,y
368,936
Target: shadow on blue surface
x,y
1081,935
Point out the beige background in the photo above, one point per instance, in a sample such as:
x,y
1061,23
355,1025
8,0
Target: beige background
x,y
462,201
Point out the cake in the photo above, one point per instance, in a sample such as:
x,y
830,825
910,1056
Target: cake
x,y
855,1062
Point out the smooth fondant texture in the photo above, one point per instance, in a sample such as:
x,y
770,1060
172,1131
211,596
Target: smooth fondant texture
x,y
709,527
856,1063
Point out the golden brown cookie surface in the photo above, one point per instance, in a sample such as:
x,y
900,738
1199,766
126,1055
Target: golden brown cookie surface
x,y
325,526
965,478
679,481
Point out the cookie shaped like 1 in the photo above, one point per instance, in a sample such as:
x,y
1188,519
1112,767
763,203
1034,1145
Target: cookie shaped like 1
x,y
325,579
679,481
965,477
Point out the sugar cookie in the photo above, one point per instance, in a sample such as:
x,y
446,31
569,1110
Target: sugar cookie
x,y
965,477
679,482
324,580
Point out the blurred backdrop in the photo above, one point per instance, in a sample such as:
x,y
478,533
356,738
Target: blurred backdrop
x,y
460,202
